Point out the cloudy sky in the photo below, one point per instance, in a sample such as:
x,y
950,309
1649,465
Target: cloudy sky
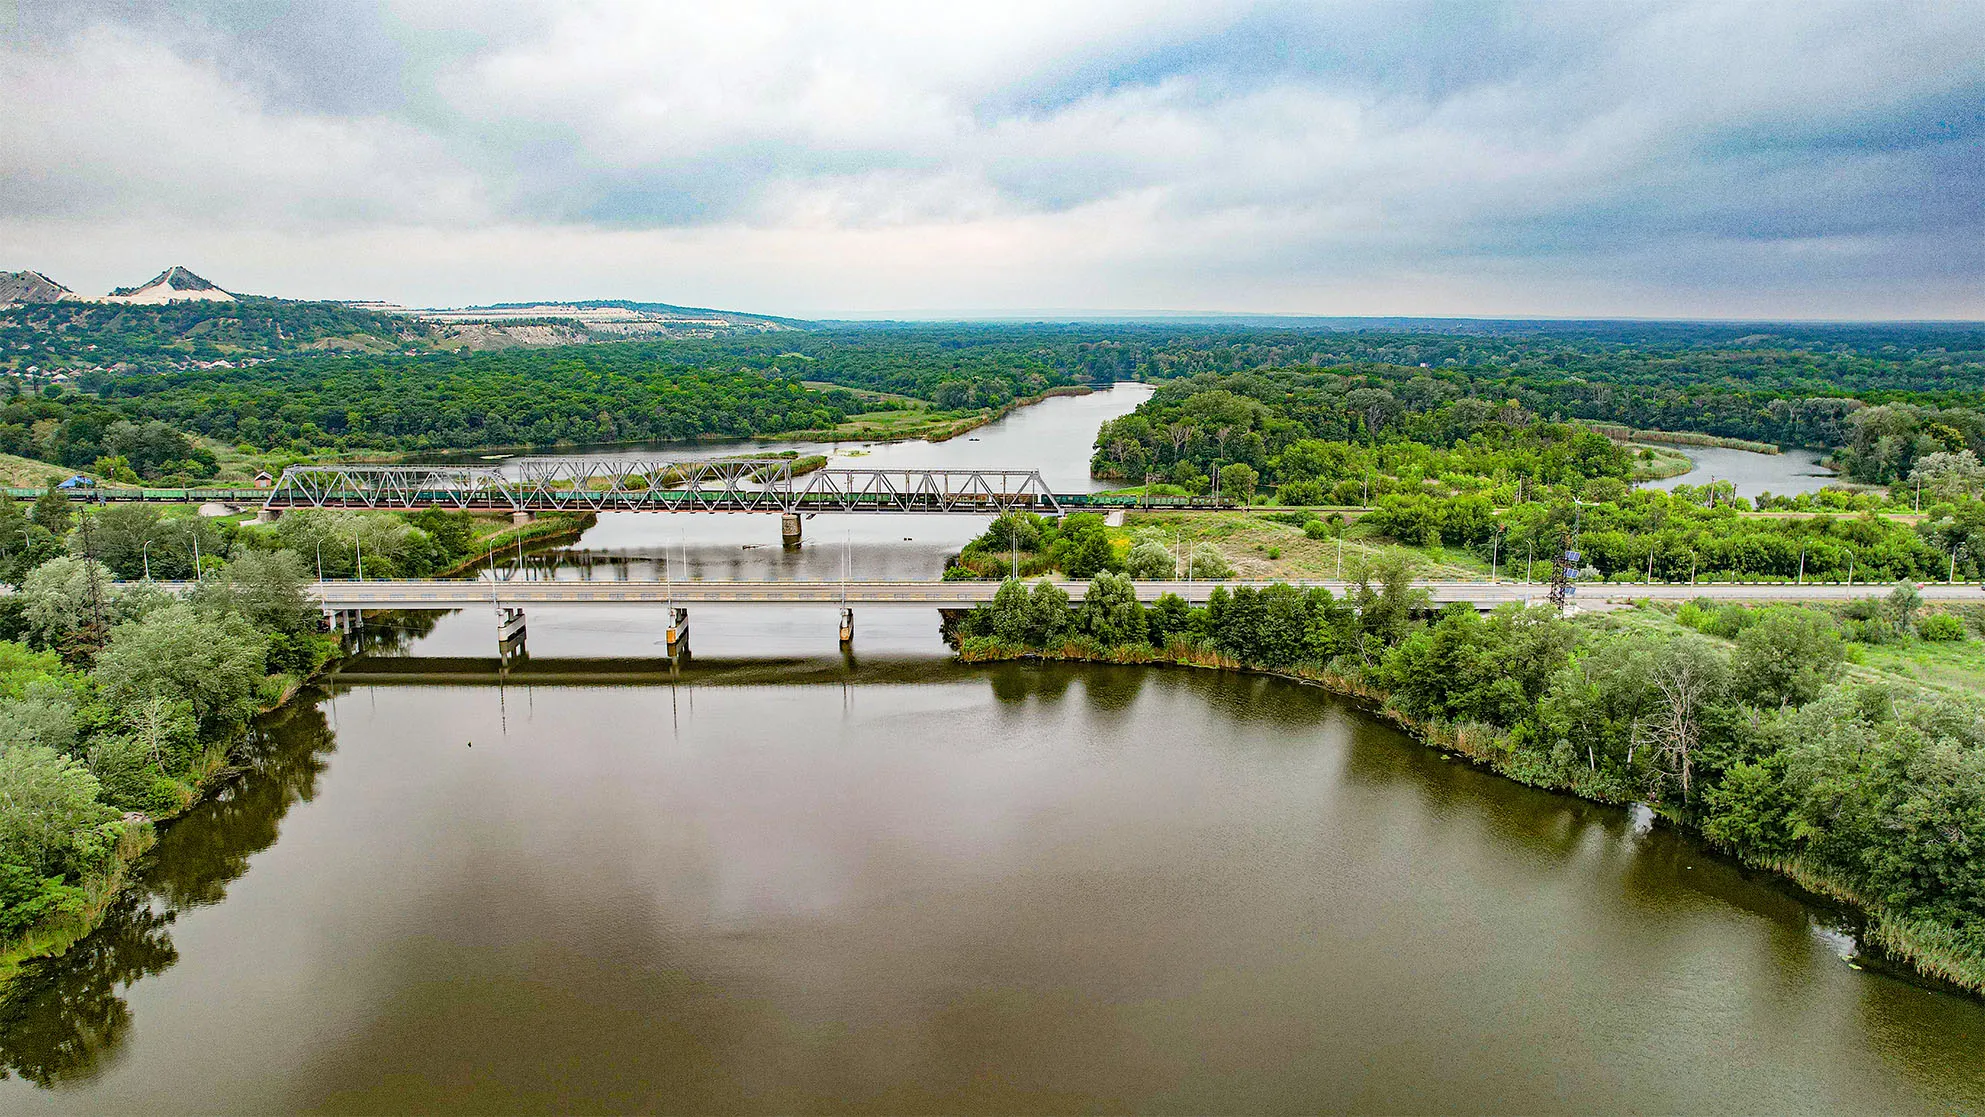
x,y
924,159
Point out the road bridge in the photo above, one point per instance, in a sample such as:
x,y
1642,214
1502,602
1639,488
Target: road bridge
x,y
346,602
439,594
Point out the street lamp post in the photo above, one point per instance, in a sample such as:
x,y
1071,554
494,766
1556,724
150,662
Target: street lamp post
x,y
145,552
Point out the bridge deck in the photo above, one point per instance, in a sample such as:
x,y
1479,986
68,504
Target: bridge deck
x,y
964,595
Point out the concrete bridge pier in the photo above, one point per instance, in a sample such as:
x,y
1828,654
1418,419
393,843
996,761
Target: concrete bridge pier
x,y
509,629
344,621
847,625
678,632
789,529
520,517
267,515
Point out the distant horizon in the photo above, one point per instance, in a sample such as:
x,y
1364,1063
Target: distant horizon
x,y
1661,161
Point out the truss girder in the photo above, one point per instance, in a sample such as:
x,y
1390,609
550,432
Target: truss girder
x,y
660,485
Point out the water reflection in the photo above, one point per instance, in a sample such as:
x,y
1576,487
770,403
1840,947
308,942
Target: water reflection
x,y
64,1018
900,884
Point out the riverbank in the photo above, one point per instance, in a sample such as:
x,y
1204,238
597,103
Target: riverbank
x,y
1621,433
1931,952
913,425
544,529
55,936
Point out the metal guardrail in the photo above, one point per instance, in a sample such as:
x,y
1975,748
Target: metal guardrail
x,y
458,594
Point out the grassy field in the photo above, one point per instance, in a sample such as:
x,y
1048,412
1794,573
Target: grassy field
x,y
892,426
27,473
1951,667
1259,547
1666,463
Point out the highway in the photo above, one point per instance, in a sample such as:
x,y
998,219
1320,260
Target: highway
x,y
509,594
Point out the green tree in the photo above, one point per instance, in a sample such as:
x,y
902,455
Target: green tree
x,y
1239,481
1048,615
212,661
1110,612
1786,657
52,511
54,822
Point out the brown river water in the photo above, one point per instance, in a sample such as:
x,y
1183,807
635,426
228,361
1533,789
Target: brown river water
x,y
772,877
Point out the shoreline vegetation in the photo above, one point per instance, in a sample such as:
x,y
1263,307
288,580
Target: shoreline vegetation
x,y
1619,433
1618,710
123,706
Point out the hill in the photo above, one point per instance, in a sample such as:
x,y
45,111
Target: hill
x,y
19,287
174,284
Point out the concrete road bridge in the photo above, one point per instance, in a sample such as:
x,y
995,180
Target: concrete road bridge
x,y
346,602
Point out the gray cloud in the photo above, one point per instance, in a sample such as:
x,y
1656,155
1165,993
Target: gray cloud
x,y
1453,158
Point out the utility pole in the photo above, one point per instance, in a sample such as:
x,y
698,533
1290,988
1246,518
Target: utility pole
x,y
97,626
1563,571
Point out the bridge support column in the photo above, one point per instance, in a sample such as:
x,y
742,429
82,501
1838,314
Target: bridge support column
x,y
509,627
267,515
520,517
847,625
344,620
789,529
678,632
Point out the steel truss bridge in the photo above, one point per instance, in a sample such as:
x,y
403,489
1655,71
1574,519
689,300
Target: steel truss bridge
x,y
628,485
643,485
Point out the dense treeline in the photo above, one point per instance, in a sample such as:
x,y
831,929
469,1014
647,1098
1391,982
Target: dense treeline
x,y
1681,536
1752,739
1331,437
1884,397
82,432
605,393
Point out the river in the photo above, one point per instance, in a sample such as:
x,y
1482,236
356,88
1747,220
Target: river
x,y
776,878
1785,474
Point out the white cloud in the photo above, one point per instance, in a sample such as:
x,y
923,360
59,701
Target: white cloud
x,y
916,157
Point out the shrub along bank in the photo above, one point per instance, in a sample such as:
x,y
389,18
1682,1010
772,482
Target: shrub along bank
x,y
120,702
1868,791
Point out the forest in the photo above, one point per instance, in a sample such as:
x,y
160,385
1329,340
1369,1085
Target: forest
x,y
1738,723
1878,398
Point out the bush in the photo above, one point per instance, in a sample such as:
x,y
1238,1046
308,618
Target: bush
x,y
1300,493
1317,529
1940,626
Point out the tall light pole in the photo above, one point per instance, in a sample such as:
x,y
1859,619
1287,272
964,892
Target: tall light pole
x,y
320,562
145,552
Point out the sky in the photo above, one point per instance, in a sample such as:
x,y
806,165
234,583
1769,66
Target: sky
x,y
1697,160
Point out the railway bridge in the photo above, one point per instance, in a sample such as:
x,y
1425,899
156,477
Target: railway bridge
x,y
529,485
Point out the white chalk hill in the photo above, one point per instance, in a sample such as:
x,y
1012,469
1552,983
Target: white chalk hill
x,y
174,284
